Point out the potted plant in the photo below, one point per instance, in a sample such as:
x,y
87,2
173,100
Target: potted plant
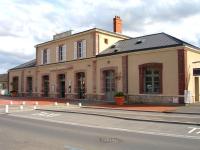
x,y
119,98
13,93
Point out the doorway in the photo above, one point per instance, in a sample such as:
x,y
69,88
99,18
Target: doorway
x,y
61,84
109,82
81,85
196,89
46,85
15,83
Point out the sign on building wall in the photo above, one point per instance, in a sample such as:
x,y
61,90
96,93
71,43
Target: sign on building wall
x,y
196,72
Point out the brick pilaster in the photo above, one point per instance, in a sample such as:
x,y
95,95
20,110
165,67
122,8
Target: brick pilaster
x,y
125,74
182,69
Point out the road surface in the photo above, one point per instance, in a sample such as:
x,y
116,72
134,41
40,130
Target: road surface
x,y
36,130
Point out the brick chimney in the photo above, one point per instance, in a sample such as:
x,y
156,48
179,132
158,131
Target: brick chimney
x,y
117,24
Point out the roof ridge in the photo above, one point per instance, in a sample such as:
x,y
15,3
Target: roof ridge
x,y
141,36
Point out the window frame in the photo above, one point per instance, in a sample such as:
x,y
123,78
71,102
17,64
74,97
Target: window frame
x,y
45,56
142,77
106,41
60,53
80,49
152,75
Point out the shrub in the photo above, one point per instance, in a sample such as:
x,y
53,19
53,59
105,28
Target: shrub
x,y
119,94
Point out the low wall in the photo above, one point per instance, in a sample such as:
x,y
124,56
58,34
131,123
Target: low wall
x,y
154,99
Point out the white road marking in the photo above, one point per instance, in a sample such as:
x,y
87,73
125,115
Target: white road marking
x,y
194,130
115,129
45,114
71,148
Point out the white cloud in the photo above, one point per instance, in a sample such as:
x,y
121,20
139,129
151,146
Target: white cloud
x,y
24,24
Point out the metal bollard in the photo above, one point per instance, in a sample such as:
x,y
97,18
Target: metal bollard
x,y
6,109
21,107
34,107
79,104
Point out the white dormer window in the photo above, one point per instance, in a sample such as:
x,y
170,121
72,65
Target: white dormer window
x,y
80,49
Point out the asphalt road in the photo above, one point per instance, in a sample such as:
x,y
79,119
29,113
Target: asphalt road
x,y
17,133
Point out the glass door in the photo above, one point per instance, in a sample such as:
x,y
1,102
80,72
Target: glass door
x,y
81,85
109,85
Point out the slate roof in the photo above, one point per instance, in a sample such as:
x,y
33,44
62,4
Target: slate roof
x,y
148,42
28,64
143,43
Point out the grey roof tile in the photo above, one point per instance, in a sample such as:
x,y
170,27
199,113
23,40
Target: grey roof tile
x,y
28,64
147,42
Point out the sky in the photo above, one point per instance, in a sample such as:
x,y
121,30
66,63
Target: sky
x,y
25,23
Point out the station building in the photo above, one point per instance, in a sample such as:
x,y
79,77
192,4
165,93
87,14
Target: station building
x,y
94,64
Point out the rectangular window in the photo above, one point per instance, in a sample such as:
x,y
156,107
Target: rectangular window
x,y
152,81
45,56
79,49
106,41
60,53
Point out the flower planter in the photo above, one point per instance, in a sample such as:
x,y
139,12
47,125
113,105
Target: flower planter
x,y
13,94
119,100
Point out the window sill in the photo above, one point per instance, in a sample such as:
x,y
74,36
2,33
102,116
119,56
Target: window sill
x,y
152,94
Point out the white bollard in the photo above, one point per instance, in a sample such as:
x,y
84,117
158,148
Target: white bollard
x,y
79,104
21,107
11,102
34,107
56,103
36,103
23,103
67,104
6,109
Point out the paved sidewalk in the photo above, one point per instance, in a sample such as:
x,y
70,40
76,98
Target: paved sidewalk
x,y
134,107
29,101
129,115
190,109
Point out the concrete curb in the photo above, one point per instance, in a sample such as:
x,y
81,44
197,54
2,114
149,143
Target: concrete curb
x,y
124,118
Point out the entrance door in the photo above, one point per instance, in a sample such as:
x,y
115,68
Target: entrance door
x,y
81,85
109,85
29,85
46,85
61,80
197,89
